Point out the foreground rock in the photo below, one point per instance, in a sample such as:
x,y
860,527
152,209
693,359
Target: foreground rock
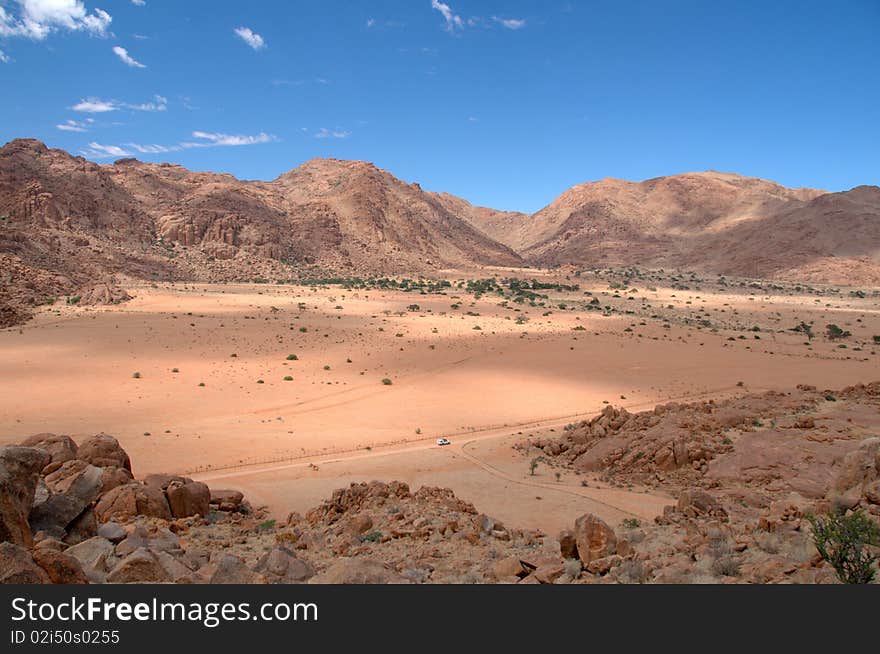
x,y
19,475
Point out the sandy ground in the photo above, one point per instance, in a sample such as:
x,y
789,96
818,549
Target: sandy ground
x,y
288,444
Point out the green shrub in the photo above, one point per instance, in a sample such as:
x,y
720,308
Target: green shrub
x,y
292,357
845,541
833,332
387,382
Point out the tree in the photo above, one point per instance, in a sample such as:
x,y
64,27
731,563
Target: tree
x,y
834,333
845,541
805,329
534,466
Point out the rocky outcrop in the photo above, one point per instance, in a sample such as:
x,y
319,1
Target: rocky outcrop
x,y
132,500
19,475
104,451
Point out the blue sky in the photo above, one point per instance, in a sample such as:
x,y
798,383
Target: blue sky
x,y
505,103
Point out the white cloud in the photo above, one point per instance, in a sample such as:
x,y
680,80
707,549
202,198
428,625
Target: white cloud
x,y
37,19
4,58
99,151
139,3
325,133
75,125
206,140
453,21
510,23
127,59
98,106
227,139
250,37
94,106
371,22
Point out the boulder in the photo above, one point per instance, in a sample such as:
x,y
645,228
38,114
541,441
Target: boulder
x,y
84,527
509,567
104,451
72,489
112,531
156,540
96,556
188,499
594,538
568,544
281,566
359,571
227,500
59,448
19,473
130,500
695,502
162,481
141,566
230,569
61,568
360,523
111,477
17,566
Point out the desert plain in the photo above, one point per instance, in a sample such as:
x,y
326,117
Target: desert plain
x,y
289,391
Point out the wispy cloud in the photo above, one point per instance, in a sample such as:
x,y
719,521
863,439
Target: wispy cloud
x,y
250,37
4,58
325,133
139,3
75,125
126,58
510,23
214,139
98,106
203,140
37,19
99,151
94,106
453,21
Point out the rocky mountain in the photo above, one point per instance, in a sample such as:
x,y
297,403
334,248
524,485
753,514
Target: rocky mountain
x,y
67,223
713,222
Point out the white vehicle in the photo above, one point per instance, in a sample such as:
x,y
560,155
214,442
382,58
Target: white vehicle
x,y
443,441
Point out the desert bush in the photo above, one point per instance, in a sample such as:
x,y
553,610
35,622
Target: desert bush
x,y
833,332
572,568
387,382
631,572
846,542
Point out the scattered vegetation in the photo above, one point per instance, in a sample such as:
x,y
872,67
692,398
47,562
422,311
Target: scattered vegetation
x,y
846,542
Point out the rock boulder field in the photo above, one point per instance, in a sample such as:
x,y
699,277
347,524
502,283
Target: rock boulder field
x,y
737,517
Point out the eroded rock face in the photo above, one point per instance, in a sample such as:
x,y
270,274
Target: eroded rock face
x,y
19,474
104,451
594,538
130,500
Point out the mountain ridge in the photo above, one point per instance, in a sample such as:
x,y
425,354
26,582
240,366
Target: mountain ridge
x,y
66,222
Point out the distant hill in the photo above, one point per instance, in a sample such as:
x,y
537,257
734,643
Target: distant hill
x,y
67,223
